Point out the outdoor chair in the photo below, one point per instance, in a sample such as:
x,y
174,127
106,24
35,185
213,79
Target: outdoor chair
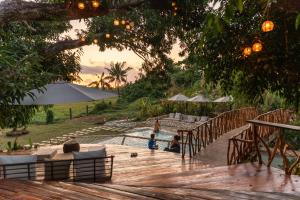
x,y
178,116
190,119
18,167
87,168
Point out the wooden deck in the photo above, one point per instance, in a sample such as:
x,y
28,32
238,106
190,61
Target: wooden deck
x,y
164,175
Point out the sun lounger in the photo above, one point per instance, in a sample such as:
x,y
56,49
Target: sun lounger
x,y
13,167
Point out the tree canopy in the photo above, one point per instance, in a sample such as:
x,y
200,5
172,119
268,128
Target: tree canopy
x,y
211,33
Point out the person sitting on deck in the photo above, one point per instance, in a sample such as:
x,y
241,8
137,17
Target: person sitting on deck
x,y
152,142
156,127
175,146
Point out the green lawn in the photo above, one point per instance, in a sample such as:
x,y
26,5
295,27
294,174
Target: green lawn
x,y
40,131
61,112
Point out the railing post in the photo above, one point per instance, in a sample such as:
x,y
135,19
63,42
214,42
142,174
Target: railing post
x,y
255,132
95,170
111,166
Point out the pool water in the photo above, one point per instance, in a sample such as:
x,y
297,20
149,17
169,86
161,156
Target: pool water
x,y
146,132
140,142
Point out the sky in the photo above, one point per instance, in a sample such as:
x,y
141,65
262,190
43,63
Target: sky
x,y
94,61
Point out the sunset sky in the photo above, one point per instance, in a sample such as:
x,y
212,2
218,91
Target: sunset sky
x,y
93,61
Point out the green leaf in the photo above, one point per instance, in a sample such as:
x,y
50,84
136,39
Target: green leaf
x,y
297,22
239,5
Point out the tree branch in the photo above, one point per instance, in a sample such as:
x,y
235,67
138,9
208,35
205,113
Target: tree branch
x,y
17,10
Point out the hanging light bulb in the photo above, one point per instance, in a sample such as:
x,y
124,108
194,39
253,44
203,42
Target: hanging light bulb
x,y
82,39
247,51
257,47
128,27
267,26
175,8
123,22
173,4
116,22
107,35
95,4
95,41
81,6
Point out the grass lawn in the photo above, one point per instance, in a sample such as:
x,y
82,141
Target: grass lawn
x,y
40,131
61,112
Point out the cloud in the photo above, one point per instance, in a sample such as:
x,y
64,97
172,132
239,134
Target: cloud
x,y
90,71
93,70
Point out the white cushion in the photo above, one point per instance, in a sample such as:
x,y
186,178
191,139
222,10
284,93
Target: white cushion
x,y
171,115
20,172
88,169
204,118
190,119
178,116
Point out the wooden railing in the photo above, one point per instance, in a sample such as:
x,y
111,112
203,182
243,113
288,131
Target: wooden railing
x,y
244,145
196,139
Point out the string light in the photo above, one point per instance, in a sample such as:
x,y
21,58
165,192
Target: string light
x,y
82,39
128,27
247,51
95,4
123,22
81,6
257,47
107,35
95,41
116,22
267,26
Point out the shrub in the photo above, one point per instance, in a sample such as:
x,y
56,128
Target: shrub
x,y
99,107
49,117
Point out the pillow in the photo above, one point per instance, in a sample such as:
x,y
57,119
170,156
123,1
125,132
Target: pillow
x,y
190,118
178,116
171,115
204,118
20,172
89,169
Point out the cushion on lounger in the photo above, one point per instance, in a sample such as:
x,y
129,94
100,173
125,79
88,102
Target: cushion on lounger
x,y
190,119
89,169
17,171
171,115
178,116
204,118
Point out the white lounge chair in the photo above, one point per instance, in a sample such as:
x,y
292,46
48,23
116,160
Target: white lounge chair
x,y
14,167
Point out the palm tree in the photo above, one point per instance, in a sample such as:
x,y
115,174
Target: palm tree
x,y
101,83
118,74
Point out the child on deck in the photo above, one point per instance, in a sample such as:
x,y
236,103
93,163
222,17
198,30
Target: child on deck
x,y
175,145
152,142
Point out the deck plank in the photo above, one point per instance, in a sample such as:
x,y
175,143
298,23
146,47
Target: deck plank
x,y
164,175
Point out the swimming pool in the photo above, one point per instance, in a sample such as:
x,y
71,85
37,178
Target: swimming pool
x,y
142,141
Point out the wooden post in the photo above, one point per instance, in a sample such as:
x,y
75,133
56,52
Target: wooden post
x,y
70,113
256,144
87,110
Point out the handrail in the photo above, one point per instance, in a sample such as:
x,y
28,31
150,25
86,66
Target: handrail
x,y
124,136
85,169
209,131
244,146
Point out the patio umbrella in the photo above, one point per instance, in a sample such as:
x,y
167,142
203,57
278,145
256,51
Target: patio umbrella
x,y
199,98
178,97
63,93
223,99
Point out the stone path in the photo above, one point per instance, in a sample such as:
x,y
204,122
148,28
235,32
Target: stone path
x,y
83,132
